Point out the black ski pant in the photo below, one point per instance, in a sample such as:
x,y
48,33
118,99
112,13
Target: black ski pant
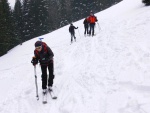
x,y
92,25
73,36
86,29
44,75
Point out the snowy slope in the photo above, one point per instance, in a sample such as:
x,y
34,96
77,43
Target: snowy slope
x,y
107,73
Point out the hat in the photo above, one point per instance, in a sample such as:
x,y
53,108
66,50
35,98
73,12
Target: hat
x,y
38,43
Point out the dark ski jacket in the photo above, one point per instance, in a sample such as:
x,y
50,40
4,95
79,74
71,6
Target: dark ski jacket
x,y
45,56
86,23
71,29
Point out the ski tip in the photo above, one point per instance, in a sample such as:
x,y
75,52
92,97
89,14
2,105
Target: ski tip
x,y
44,102
54,97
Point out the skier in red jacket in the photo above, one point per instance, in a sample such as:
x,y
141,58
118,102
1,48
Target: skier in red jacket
x,y
92,19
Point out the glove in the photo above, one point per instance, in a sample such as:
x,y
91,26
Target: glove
x,y
77,27
34,61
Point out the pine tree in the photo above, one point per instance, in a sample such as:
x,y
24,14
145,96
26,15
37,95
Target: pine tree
x,y
42,17
18,20
54,14
7,35
64,12
32,19
25,20
35,18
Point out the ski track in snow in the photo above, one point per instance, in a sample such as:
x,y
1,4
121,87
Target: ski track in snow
x,y
107,73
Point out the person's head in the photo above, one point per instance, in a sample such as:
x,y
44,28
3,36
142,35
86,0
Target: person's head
x,y
91,13
71,24
38,45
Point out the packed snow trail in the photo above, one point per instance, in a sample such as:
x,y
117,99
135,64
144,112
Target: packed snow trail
x,y
107,73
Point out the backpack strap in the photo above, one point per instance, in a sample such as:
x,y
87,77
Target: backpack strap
x,y
45,46
37,53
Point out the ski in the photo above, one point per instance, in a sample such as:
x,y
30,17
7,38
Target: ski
x,y
44,98
51,92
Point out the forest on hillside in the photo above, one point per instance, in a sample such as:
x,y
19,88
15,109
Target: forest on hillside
x,y
32,18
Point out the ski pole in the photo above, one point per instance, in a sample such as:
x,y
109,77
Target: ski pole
x,y
98,26
36,83
79,33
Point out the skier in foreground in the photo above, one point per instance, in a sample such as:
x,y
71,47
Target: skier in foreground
x,y
72,32
44,55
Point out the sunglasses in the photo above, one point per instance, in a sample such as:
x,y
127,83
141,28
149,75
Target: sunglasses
x,y
39,47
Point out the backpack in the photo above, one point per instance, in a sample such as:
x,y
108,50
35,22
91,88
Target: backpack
x,y
71,29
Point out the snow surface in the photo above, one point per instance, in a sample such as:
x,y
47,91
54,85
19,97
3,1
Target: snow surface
x,y
107,73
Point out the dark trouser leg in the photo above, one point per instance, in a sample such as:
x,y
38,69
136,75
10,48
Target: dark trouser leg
x,y
44,77
74,36
86,30
71,37
93,30
51,75
92,27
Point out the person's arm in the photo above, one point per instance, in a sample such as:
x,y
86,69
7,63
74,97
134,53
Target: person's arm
x,y
51,54
96,19
36,55
35,59
84,21
70,29
75,27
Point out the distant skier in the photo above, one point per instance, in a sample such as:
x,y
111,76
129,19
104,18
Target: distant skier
x,y
44,55
72,32
92,19
86,26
